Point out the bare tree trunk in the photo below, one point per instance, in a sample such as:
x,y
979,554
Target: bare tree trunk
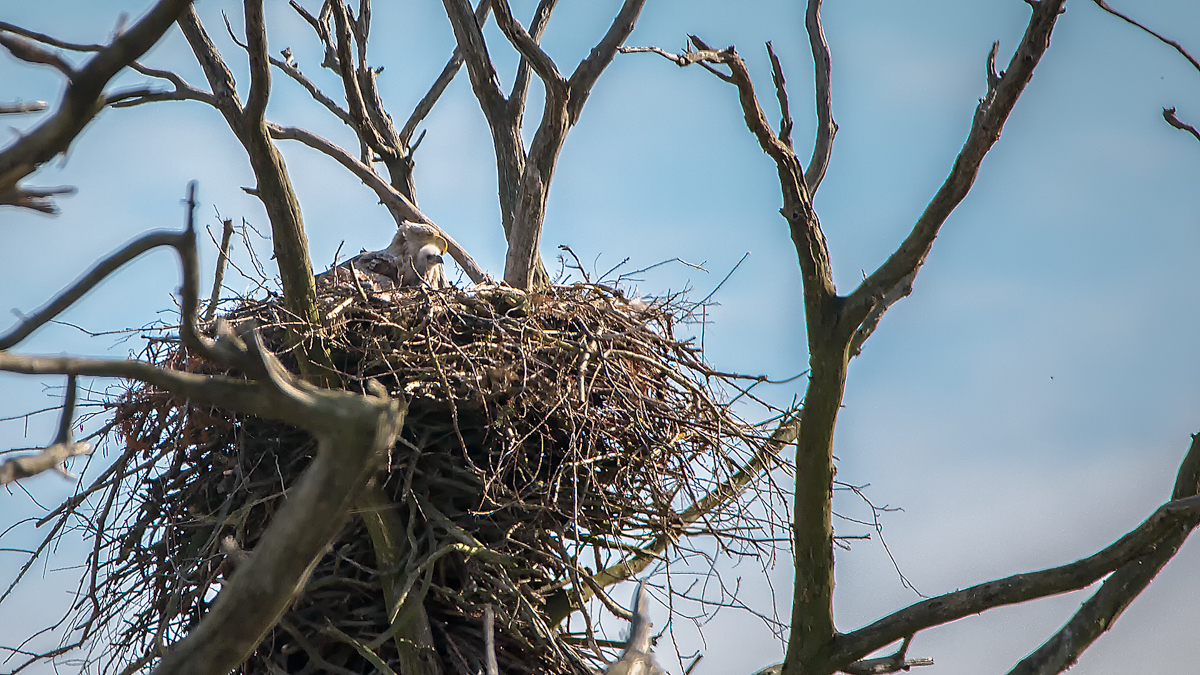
x,y
274,188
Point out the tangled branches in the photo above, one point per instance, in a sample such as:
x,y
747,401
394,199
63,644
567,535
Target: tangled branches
x,y
552,444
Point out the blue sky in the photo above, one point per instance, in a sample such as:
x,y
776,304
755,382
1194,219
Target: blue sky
x,y
1026,406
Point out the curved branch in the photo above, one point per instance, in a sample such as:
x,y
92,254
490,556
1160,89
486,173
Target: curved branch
x,y
260,66
531,52
807,237
1003,91
1098,614
1169,116
1161,38
401,208
560,605
537,27
443,80
22,107
1018,588
589,70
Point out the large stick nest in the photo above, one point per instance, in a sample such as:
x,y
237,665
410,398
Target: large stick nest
x,y
547,436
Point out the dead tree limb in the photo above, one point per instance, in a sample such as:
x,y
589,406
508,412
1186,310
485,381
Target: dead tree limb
x,y
22,107
1168,113
836,324
1177,516
826,127
1003,91
353,433
83,98
53,456
525,178
1100,611
274,187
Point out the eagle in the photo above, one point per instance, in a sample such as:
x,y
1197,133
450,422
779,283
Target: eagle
x,y
413,259
419,249
637,659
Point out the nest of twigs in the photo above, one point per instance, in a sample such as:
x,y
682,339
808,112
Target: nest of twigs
x,y
547,436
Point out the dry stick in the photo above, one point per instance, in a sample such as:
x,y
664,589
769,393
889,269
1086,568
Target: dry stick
x,y
1169,116
1168,113
55,454
1178,47
785,121
36,199
892,663
219,274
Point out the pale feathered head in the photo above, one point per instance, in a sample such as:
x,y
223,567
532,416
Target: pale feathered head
x,y
420,248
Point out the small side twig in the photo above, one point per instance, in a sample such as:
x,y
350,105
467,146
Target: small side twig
x,y
893,663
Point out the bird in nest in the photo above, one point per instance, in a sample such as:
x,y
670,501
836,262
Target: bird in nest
x,y
413,259
419,249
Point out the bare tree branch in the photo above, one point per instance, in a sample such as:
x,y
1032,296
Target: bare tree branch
x,y
537,27
54,455
398,204
274,187
37,199
29,52
826,127
260,66
1169,116
22,107
589,70
1100,611
443,80
210,312
1170,518
531,52
83,97
1165,40
806,231
892,663
990,116
785,122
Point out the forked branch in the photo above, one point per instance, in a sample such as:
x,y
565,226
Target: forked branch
x,y
898,271
1100,611
809,240
524,180
53,456
84,95
1163,531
